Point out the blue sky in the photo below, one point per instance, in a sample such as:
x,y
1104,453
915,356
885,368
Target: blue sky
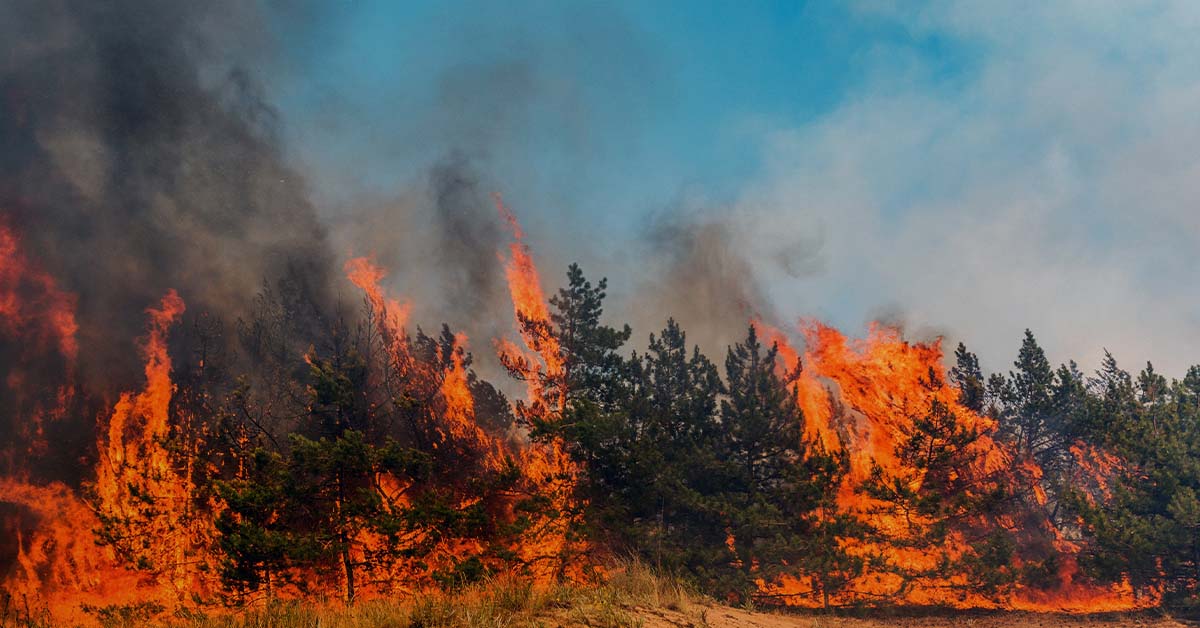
x,y
664,96
968,169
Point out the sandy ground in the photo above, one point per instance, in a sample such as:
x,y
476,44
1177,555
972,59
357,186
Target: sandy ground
x,y
724,617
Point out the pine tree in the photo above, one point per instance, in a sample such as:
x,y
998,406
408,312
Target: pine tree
x,y
1040,411
591,365
592,369
781,490
940,493
967,375
311,507
256,541
1029,402
1143,519
670,471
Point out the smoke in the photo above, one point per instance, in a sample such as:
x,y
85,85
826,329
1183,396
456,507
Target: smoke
x,y
439,238
698,274
137,156
469,235
1049,184
432,222
135,161
408,135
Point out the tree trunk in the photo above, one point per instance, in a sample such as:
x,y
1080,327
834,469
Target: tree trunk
x,y
348,568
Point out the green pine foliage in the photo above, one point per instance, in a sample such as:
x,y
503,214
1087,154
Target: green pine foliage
x,y
693,474
779,494
1144,525
306,434
941,492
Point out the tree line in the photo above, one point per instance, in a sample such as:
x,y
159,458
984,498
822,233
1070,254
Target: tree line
x,y
322,448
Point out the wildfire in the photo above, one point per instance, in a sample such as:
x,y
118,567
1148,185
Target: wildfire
x,y
52,553
457,421
137,484
40,319
545,467
529,304
546,463
390,315
864,396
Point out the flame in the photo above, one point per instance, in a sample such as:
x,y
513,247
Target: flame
x,y
56,559
529,304
1094,469
861,395
59,567
541,365
456,428
31,304
456,421
151,407
40,318
388,314
456,394
364,273
140,486
858,395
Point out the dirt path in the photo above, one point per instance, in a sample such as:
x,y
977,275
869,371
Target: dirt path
x,y
724,617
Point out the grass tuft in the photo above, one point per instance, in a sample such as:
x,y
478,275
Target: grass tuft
x,y
631,590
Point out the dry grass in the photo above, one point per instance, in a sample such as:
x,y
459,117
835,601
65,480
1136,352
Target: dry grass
x,y
633,597
499,603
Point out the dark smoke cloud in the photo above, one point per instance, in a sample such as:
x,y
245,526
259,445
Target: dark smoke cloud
x,y
699,275
138,156
439,240
705,269
469,235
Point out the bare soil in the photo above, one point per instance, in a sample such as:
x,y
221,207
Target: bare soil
x,y
724,617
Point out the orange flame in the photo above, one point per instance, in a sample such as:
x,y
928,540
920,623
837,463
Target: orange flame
x,y
456,425
140,486
459,413
861,395
39,316
529,304
857,395
547,464
31,305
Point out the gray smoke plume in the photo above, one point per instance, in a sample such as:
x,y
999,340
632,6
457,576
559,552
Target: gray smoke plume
x,y
702,279
136,156
706,271
469,234
137,159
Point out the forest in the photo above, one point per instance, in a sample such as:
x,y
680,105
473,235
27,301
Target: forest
x,y
270,339
308,454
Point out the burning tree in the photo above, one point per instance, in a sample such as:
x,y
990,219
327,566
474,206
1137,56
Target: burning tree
x,y
313,451
1139,511
943,501
322,501
781,491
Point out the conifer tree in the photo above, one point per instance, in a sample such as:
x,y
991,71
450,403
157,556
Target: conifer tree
x,y
1029,405
780,489
940,492
310,507
967,375
660,469
1143,519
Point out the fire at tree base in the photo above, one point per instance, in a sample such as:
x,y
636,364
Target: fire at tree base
x,y
364,461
